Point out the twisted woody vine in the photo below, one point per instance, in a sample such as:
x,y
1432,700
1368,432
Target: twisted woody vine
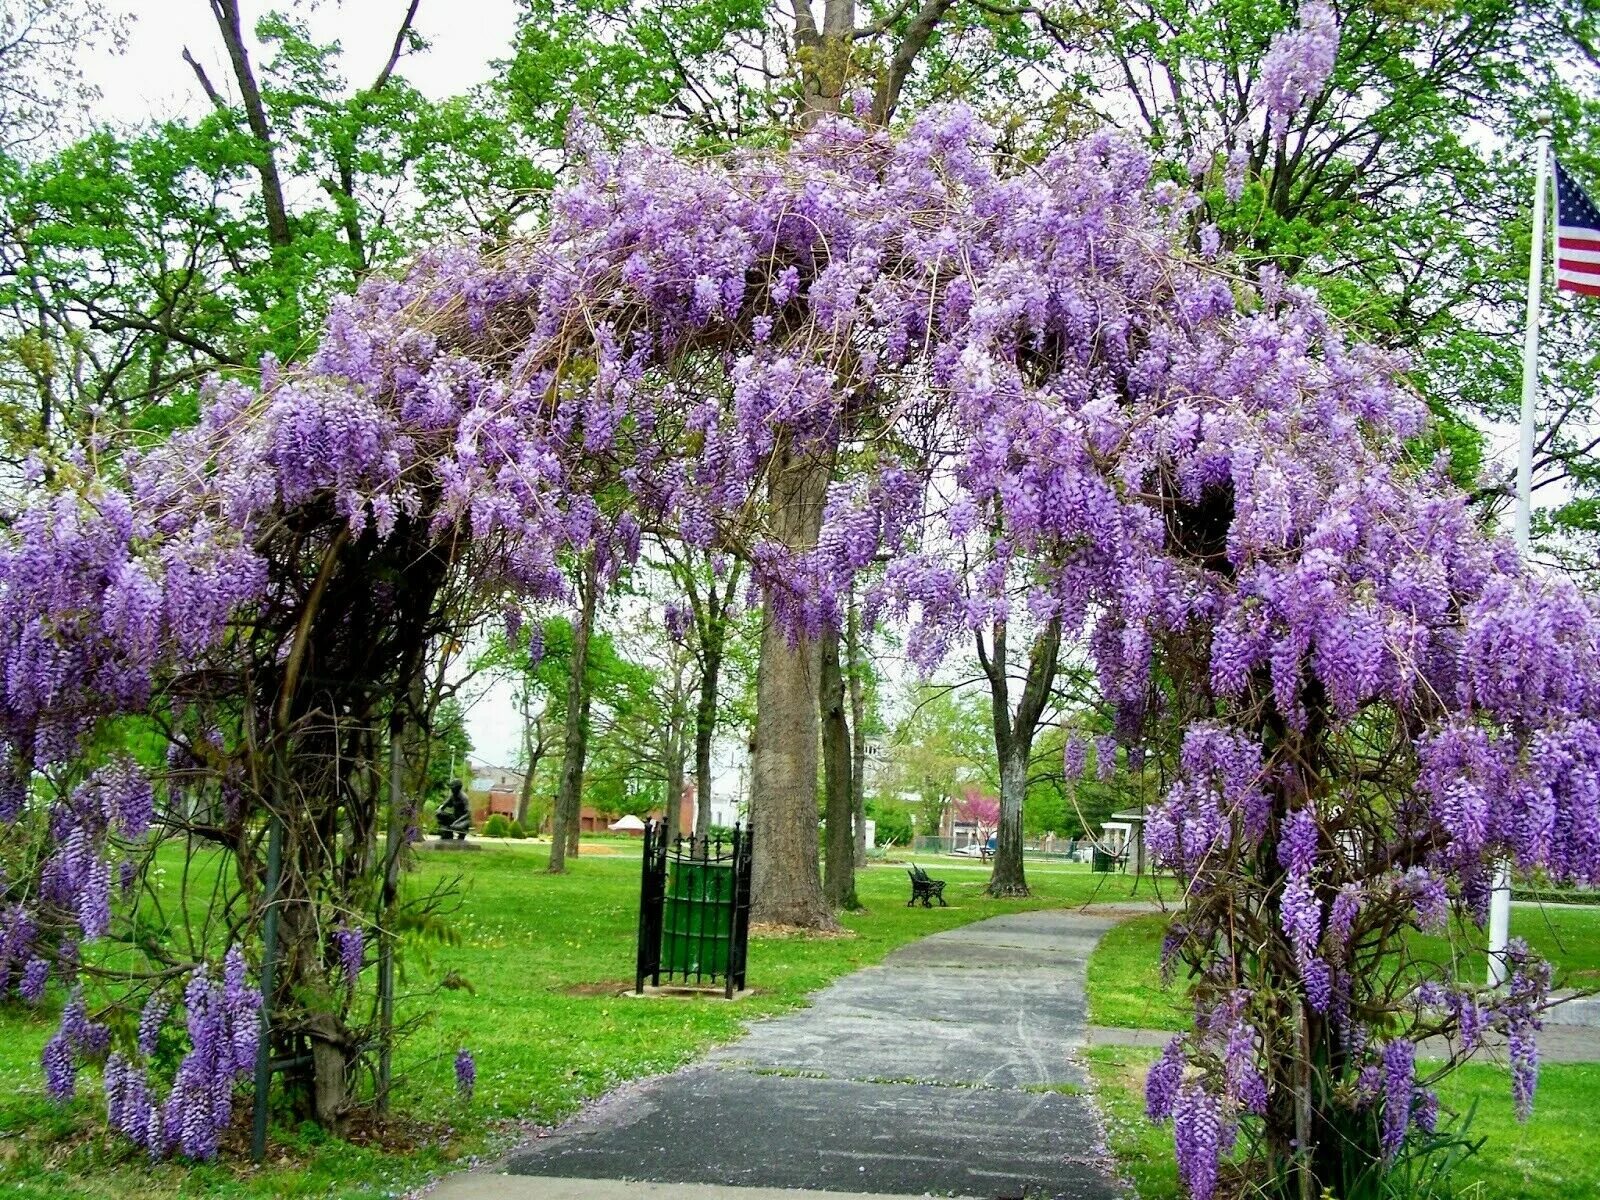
x,y
1362,698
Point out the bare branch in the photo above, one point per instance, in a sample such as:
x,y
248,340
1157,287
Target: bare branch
x,y
400,38
206,85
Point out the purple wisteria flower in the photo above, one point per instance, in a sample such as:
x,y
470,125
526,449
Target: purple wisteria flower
x,y
1105,757
1075,757
1297,64
1162,1083
151,1019
466,1074
34,976
350,945
1399,1087
60,1069
1197,1130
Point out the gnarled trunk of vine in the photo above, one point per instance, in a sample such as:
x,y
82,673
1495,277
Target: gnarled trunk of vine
x,y
326,693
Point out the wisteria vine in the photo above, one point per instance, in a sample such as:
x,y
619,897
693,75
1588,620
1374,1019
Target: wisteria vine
x,y
1034,386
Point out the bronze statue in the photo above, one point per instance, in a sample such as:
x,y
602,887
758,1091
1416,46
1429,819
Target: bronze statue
x,y
454,818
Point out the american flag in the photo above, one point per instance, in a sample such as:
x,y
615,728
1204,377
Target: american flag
x,y
1577,237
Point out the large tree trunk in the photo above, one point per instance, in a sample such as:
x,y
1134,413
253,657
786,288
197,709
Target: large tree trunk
x,y
839,861
675,790
824,55
786,884
575,811
564,830
858,732
785,881
1007,878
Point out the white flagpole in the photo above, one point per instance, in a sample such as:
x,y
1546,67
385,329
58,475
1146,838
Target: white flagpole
x,y
1500,898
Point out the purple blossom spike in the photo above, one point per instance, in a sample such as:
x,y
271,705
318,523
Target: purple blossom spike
x,y
1161,1084
1399,1076
1298,63
34,975
466,1074
351,947
1197,1135
1075,757
151,1019
60,1069
1105,757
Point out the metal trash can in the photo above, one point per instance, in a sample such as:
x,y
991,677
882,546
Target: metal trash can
x,y
694,910
1102,861
697,926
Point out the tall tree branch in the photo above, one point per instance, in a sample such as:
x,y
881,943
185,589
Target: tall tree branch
x,y
231,27
398,48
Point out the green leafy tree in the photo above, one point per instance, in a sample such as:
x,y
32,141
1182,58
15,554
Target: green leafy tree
x,y
938,749
134,263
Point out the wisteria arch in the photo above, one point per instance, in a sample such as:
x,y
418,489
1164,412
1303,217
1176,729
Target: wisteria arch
x,y
868,359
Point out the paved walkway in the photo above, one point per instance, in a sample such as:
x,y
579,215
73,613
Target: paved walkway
x,y
944,1070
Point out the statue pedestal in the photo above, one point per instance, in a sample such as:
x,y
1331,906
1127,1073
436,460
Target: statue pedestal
x,y
447,847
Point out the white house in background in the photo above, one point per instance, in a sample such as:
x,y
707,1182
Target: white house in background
x,y
484,778
730,782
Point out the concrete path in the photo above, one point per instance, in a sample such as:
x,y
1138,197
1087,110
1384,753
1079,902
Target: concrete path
x,y
943,1071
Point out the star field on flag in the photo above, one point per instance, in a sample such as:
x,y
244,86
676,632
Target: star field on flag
x,y
1577,237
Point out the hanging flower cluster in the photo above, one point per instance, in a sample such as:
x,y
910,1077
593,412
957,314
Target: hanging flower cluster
x,y
223,1024
350,945
1297,65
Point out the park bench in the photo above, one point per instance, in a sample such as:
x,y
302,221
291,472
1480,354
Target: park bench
x,y
925,888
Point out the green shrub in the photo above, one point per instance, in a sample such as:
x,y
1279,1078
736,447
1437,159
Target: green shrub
x,y
517,831
496,826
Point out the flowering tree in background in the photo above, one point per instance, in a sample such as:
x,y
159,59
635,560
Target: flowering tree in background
x,y
975,808
1207,488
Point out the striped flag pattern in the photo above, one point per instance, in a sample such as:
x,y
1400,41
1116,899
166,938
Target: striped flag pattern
x,y
1577,237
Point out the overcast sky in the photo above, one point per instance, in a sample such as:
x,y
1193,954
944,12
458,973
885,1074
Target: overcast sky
x,y
149,79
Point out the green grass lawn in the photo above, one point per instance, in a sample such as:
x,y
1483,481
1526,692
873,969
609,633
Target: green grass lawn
x,y
545,958
1555,1156
1125,988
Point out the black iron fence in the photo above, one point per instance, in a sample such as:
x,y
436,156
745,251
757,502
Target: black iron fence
x,y
694,909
